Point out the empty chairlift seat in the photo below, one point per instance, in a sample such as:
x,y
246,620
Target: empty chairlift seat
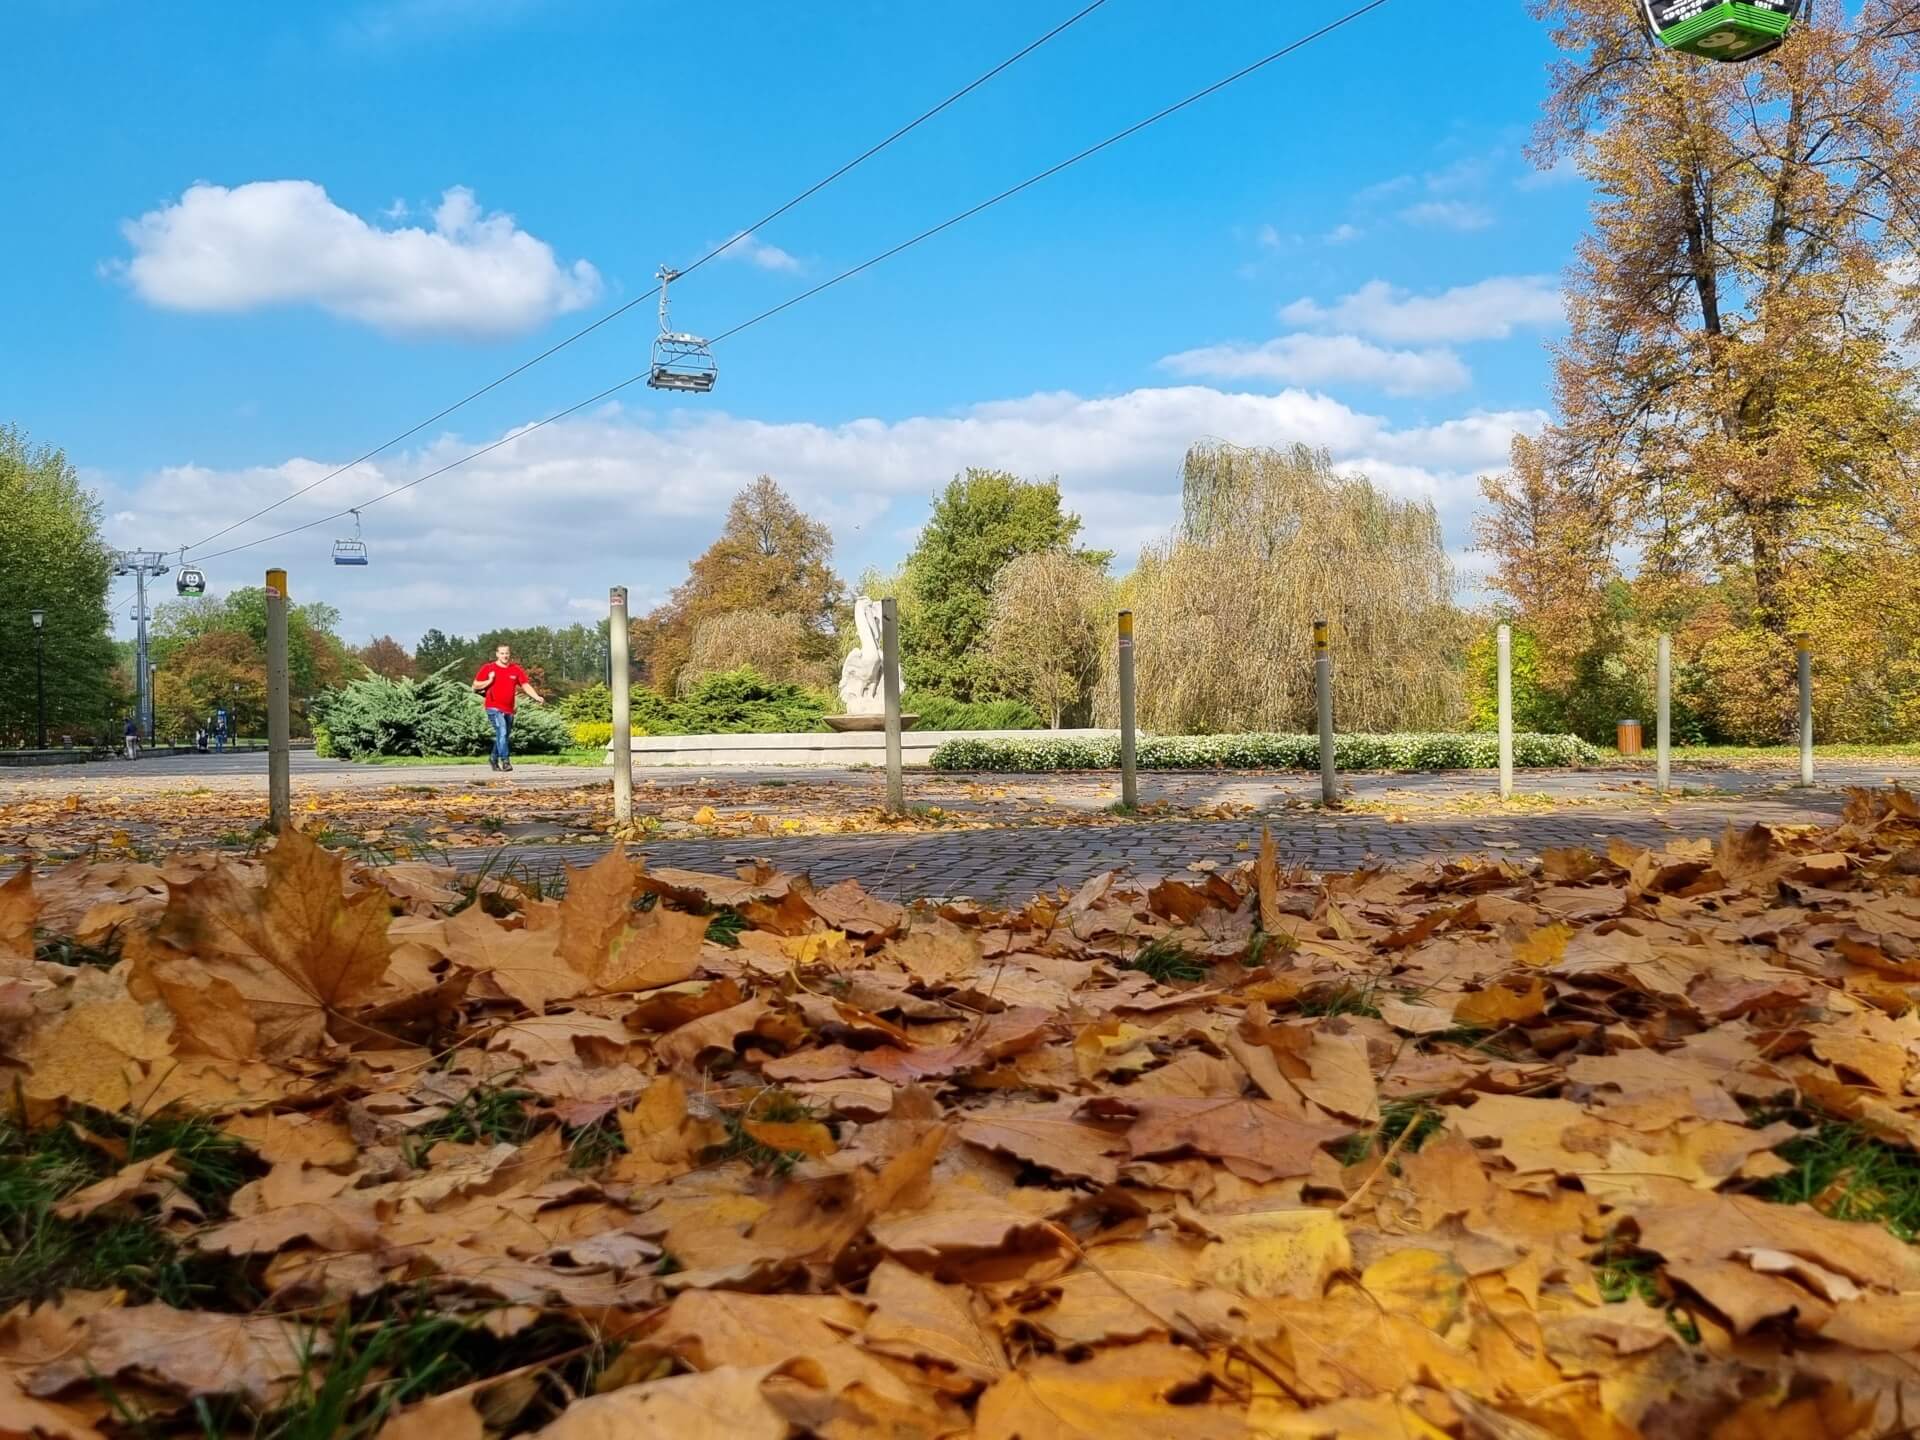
x,y
680,361
351,551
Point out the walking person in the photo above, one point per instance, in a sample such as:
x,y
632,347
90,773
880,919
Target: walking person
x,y
130,733
498,682
220,729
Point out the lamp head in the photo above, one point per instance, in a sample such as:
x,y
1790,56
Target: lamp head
x,y
39,618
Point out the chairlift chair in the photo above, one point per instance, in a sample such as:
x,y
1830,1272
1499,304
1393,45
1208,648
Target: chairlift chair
x,y
354,551
1722,29
680,361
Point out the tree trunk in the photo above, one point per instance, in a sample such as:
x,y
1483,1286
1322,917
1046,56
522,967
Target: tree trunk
x,y
1768,531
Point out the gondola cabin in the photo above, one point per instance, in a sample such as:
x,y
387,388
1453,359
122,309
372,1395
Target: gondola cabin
x,y
1721,29
190,581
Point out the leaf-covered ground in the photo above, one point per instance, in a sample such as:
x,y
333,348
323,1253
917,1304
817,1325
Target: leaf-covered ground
x,y
401,821
1604,1145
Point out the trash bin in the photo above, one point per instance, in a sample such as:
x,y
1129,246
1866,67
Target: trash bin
x,y
1627,737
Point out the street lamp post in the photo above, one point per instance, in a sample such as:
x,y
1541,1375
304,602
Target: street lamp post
x,y
40,671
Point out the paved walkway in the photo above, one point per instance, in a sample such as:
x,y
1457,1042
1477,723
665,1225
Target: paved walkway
x,y
1397,816
1008,865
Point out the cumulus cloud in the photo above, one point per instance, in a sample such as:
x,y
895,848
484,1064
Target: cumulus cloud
x,y
533,532
1342,234
284,242
756,252
1325,360
1490,309
1463,215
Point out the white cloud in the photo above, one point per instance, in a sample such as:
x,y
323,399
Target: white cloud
x,y
532,532
1490,309
760,254
1325,360
1564,171
1463,215
383,24
1269,238
1343,234
283,242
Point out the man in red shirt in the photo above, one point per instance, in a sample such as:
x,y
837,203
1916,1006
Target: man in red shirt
x,y
497,683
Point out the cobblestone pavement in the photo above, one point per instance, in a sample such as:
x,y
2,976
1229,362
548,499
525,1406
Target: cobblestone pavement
x,y
1008,865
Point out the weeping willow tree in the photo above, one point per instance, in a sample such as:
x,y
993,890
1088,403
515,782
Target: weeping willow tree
x,y
1268,541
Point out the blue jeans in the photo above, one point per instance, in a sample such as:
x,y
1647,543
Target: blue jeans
x,y
502,732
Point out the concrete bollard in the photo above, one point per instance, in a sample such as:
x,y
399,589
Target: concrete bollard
x,y
620,683
1129,778
1504,637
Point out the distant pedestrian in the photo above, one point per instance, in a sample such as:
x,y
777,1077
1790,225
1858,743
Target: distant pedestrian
x,y
220,729
131,734
497,683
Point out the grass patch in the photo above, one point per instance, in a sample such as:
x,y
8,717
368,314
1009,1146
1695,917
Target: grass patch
x,y
65,950
1397,1117
1164,960
1343,999
773,1107
487,1115
565,757
594,1147
725,927
1842,1171
43,1255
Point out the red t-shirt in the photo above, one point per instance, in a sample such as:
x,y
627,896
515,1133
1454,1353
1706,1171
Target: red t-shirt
x,y
503,682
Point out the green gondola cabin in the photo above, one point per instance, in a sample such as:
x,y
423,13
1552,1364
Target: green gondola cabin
x,y
1721,29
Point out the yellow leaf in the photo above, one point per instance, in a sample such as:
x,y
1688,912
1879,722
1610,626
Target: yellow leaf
x,y
822,947
1512,998
1545,946
1426,1286
704,815
1276,1254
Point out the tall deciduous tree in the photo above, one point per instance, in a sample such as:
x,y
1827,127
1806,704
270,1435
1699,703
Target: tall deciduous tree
x,y
1271,541
1732,391
980,522
1551,557
1048,621
51,559
771,557
386,656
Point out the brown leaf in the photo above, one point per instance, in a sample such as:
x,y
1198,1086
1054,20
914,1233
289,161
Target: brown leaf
x,y
1253,1138
297,951
19,912
1118,1394
189,1353
728,1403
155,1178
525,964
1048,1136
915,1318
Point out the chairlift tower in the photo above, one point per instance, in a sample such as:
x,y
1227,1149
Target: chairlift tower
x,y
142,565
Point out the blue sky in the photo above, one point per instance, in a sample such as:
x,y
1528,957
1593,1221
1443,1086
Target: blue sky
x,y
263,239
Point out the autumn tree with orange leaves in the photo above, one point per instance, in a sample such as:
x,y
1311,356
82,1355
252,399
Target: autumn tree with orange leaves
x,y
771,557
1735,406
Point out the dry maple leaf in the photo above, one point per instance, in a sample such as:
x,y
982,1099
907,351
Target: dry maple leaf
x,y
190,1353
296,951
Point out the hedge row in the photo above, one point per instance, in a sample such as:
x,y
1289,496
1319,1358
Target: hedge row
x,y
1264,752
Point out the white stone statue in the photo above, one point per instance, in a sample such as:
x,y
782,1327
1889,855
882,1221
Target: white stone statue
x,y
861,689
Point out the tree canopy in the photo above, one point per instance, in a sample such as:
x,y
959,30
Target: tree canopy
x,y
1736,410
771,557
982,520
52,559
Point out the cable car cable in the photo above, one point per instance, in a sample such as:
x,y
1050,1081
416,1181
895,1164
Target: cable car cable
x,y
847,274
1053,170
717,251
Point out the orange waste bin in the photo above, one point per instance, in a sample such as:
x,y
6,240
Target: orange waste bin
x,y
1627,737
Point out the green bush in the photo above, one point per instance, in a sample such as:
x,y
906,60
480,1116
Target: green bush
x,y
592,734
943,712
589,702
323,742
433,716
1264,752
737,702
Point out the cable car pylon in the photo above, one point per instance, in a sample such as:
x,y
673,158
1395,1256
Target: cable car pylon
x,y
680,361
